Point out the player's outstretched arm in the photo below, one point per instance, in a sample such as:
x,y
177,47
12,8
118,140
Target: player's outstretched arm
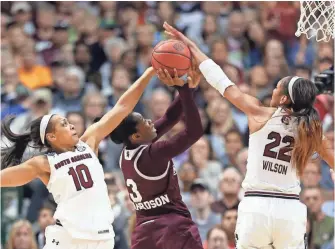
x,y
24,173
215,76
124,106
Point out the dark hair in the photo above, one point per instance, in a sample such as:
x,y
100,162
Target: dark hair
x,y
122,132
47,206
304,68
216,227
308,137
233,131
12,155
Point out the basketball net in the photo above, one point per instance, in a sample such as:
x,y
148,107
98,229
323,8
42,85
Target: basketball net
x,y
317,19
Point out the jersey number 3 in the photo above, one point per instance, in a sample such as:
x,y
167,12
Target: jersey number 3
x,y
79,180
135,196
282,154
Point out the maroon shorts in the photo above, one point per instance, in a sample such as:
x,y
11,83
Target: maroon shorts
x,y
166,232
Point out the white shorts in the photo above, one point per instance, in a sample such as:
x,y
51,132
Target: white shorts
x,y
58,238
265,222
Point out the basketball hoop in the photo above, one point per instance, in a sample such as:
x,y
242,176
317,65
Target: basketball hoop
x,y
317,19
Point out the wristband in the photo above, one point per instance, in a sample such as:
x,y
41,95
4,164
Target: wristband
x,y
215,76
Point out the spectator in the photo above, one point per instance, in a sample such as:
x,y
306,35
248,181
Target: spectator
x,y
259,82
201,211
33,75
93,105
145,39
312,175
59,39
128,60
217,238
228,222
229,186
323,226
233,145
82,58
41,103
241,161
22,13
257,38
303,71
45,218
236,41
201,156
13,94
159,103
45,22
219,112
219,51
21,236
187,174
114,49
71,91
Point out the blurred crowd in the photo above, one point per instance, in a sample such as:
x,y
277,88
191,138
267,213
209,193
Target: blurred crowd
x,y
78,58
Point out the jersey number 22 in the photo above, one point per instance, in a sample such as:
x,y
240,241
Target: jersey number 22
x,y
79,180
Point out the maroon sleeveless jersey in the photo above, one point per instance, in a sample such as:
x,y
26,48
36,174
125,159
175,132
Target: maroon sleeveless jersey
x,y
151,195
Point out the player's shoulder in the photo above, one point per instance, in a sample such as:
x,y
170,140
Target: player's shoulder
x,y
256,122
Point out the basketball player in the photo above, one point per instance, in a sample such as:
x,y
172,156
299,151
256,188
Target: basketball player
x,y
282,139
162,218
71,171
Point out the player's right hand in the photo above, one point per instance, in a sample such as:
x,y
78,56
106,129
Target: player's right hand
x,y
165,77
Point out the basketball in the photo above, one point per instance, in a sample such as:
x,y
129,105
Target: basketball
x,y
171,54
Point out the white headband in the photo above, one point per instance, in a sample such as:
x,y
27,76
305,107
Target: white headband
x,y
43,127
290,86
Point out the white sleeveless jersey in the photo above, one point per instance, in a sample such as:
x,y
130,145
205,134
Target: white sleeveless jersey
x,y
269,168
78,187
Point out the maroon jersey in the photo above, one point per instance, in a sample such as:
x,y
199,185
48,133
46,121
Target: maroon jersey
x,y
148,170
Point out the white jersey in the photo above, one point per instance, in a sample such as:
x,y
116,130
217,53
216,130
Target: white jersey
x,y
269,168
78,187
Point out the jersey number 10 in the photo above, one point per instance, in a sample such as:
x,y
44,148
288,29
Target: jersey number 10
x,y
79,180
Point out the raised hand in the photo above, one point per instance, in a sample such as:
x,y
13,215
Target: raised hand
x,y
165,77
175,34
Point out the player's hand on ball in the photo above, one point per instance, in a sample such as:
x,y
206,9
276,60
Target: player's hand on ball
x,y
193,75
175,34
165,77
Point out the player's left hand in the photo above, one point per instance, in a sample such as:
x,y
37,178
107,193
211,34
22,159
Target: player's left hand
x,y
193,75
165,77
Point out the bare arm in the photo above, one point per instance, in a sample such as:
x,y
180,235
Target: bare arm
x,y
246,103
124,106
24,173
327,153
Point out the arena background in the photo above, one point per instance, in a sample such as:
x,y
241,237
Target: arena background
x,y
78,58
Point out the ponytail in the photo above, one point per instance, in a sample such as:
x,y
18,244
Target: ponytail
x,y
12,155
308,134
308,138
